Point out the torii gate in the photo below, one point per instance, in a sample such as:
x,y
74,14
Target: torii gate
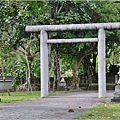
x,y
43,29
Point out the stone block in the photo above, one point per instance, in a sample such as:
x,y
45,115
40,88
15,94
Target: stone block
x,y
117,88
62,86
115,100
116,94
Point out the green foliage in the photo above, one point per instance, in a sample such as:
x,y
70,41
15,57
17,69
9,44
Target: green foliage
x,y
109,11
104,111
113,55
68,12
16,83
15,15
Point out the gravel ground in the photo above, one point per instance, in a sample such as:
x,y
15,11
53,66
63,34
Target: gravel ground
x,y
53,107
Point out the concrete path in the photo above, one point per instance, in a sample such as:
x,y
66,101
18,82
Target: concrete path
x,y
52,108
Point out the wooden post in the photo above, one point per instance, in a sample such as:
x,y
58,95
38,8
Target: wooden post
x,y
44,63
101,64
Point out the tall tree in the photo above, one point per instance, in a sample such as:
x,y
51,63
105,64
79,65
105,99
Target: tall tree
x,y
66,12
14,17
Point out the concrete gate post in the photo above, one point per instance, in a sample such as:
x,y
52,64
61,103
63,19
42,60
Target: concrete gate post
x,y
101,64
44,63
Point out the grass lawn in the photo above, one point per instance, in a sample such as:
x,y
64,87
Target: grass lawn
x,y
105,111
17,96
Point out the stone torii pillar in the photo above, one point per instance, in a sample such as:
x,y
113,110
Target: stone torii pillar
x,y
74,27
101,63
44,63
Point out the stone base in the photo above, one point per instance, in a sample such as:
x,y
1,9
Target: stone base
x,y
115,100
62,86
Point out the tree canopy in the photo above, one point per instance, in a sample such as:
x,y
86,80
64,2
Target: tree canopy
x,y
79,57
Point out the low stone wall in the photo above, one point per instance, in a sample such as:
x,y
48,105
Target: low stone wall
x,y
8,82
86,82
91,82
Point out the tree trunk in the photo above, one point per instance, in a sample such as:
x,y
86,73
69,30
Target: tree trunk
x,y
76,79
94,63
29,59
28,78
49,52
56,71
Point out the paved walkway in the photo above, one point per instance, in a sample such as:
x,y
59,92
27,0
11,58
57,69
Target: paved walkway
x,y
52,108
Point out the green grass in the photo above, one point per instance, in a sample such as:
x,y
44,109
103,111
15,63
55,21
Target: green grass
x,y
17,96
105,111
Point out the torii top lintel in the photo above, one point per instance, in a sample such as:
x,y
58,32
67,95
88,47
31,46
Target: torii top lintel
x,y
71,27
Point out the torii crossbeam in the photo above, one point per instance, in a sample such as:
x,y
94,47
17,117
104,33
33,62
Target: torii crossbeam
x,y
101,27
